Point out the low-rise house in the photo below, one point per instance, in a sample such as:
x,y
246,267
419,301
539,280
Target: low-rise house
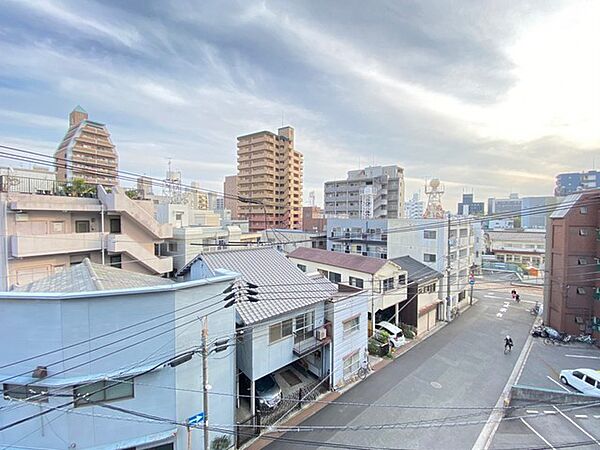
x,y
93,347
383,279
424,306
287,333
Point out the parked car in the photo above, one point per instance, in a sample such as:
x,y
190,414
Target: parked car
x,y
268,392
586,381
397,338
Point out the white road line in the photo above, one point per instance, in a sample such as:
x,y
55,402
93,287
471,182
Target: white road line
x,y
538,435
556,382
580,429
596,417
503,310
532,411
583,356
581,416
499,315
552,412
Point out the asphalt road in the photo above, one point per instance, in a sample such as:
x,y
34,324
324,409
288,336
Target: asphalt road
x,y
435,388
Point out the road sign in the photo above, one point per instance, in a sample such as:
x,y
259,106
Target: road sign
x,y
198,418
471,282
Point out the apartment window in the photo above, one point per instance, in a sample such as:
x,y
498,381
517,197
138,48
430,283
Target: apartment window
x,y
401,280
357,282
351,364
335,277
429,234
102,391
429,257
583,210
178,216
115,261
280,330
115,225
582,262
25,392
302,267
304,327
172,246
82,226
388,284
351,325
581,291
583,232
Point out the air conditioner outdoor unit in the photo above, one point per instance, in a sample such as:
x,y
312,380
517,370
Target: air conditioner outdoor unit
x,y
321,333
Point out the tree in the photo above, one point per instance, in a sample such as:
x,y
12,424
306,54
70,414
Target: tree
x,y
222,442
79,188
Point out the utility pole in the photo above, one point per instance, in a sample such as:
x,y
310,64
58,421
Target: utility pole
x,y
448,269
205,379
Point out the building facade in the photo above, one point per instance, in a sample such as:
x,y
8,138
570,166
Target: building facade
x,y
415,207
49,231
270,176
505,205
230,190
571,290
469,207
87,152
369,193
517,246
313,219
569,183
536,210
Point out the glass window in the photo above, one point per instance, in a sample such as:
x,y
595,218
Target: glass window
x,y
388,284
581,261
351,364
581,291
429,257
590,381
24,392
172,246
335,277
302,267
583,232
102,391
82,226
351,325
280,330
357,282
115,261
304,327
401,279
583,210
577,374
429,234
115,225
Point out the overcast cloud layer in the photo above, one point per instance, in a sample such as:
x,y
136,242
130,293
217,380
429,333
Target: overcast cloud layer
x,y
494,97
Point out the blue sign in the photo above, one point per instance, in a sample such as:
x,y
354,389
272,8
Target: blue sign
x,y
198,418
471,282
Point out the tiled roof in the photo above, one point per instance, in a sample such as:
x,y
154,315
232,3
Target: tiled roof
x,y
87,277
282,287
523,236
365,264
417,271
565,206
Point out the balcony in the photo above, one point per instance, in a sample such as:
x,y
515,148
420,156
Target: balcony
x,y
52,244
119,243
309,345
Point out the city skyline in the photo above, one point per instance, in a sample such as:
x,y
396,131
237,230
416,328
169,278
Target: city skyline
x,y
463,87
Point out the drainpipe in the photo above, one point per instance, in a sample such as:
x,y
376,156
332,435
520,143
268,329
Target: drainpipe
x,y
5,249
372,305
102,230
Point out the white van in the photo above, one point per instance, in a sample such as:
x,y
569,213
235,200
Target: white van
x,y
586,381
397,338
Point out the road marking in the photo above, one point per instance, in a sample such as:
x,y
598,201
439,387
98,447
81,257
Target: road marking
x,y
551,412
583,356
506,304
580,429
493,296
560,384
596,417
538,435
499,315
532,411
503,310
581,416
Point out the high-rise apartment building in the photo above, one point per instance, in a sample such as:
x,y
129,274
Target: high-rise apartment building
x,y
369,193
505,205
569,183
230,190
571,290
415,207
270,177
87,152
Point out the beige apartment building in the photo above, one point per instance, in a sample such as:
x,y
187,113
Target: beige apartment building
x,y
270,174
46,232
87,152
230,190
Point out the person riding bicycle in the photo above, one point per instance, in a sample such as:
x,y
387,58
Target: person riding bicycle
x,y
513,293
508,343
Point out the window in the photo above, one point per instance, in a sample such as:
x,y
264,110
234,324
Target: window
x,y
280,330
590,381
429,257
178,215
302,267
429,234
577,374
351,364
24,392
82,226
581,291
102,391
57,227
77,259
357,282
583,232
388,284
115,261
335,277
581,262
304,327
583,210
351,325
172,246
115,225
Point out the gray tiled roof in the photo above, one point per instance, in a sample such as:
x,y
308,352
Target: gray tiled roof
x,y
417,271
359,263
282,287
87,276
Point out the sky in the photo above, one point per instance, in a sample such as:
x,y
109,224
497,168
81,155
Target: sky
x,y
490,97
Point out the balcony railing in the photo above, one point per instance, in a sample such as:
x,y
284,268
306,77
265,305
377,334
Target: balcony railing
x,y
43,186
309,345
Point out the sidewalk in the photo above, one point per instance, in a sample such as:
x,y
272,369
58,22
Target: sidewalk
x,y
376,364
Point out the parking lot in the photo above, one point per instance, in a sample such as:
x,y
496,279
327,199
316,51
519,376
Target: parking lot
x,y
541,424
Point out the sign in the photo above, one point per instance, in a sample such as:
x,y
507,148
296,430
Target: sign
x,y
198,418
472,279
471,282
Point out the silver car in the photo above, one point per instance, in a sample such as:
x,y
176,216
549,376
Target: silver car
x,y
268,393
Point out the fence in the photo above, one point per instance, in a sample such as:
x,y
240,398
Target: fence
x,y
245,431
43,186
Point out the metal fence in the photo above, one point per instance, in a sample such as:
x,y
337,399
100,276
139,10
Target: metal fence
x,y
43,186
245,431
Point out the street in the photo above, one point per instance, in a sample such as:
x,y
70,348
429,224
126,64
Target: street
x,y
439,394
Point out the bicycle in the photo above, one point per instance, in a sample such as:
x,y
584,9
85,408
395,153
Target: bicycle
x,y
364,370
507,349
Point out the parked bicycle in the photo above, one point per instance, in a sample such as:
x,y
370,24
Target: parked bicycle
x,y
364,370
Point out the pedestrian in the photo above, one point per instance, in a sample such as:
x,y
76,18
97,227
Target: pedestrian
x,y
513,293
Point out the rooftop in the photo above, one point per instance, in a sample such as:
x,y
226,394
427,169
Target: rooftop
x,y
417,271
282,286
88,276
364,264
518,236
